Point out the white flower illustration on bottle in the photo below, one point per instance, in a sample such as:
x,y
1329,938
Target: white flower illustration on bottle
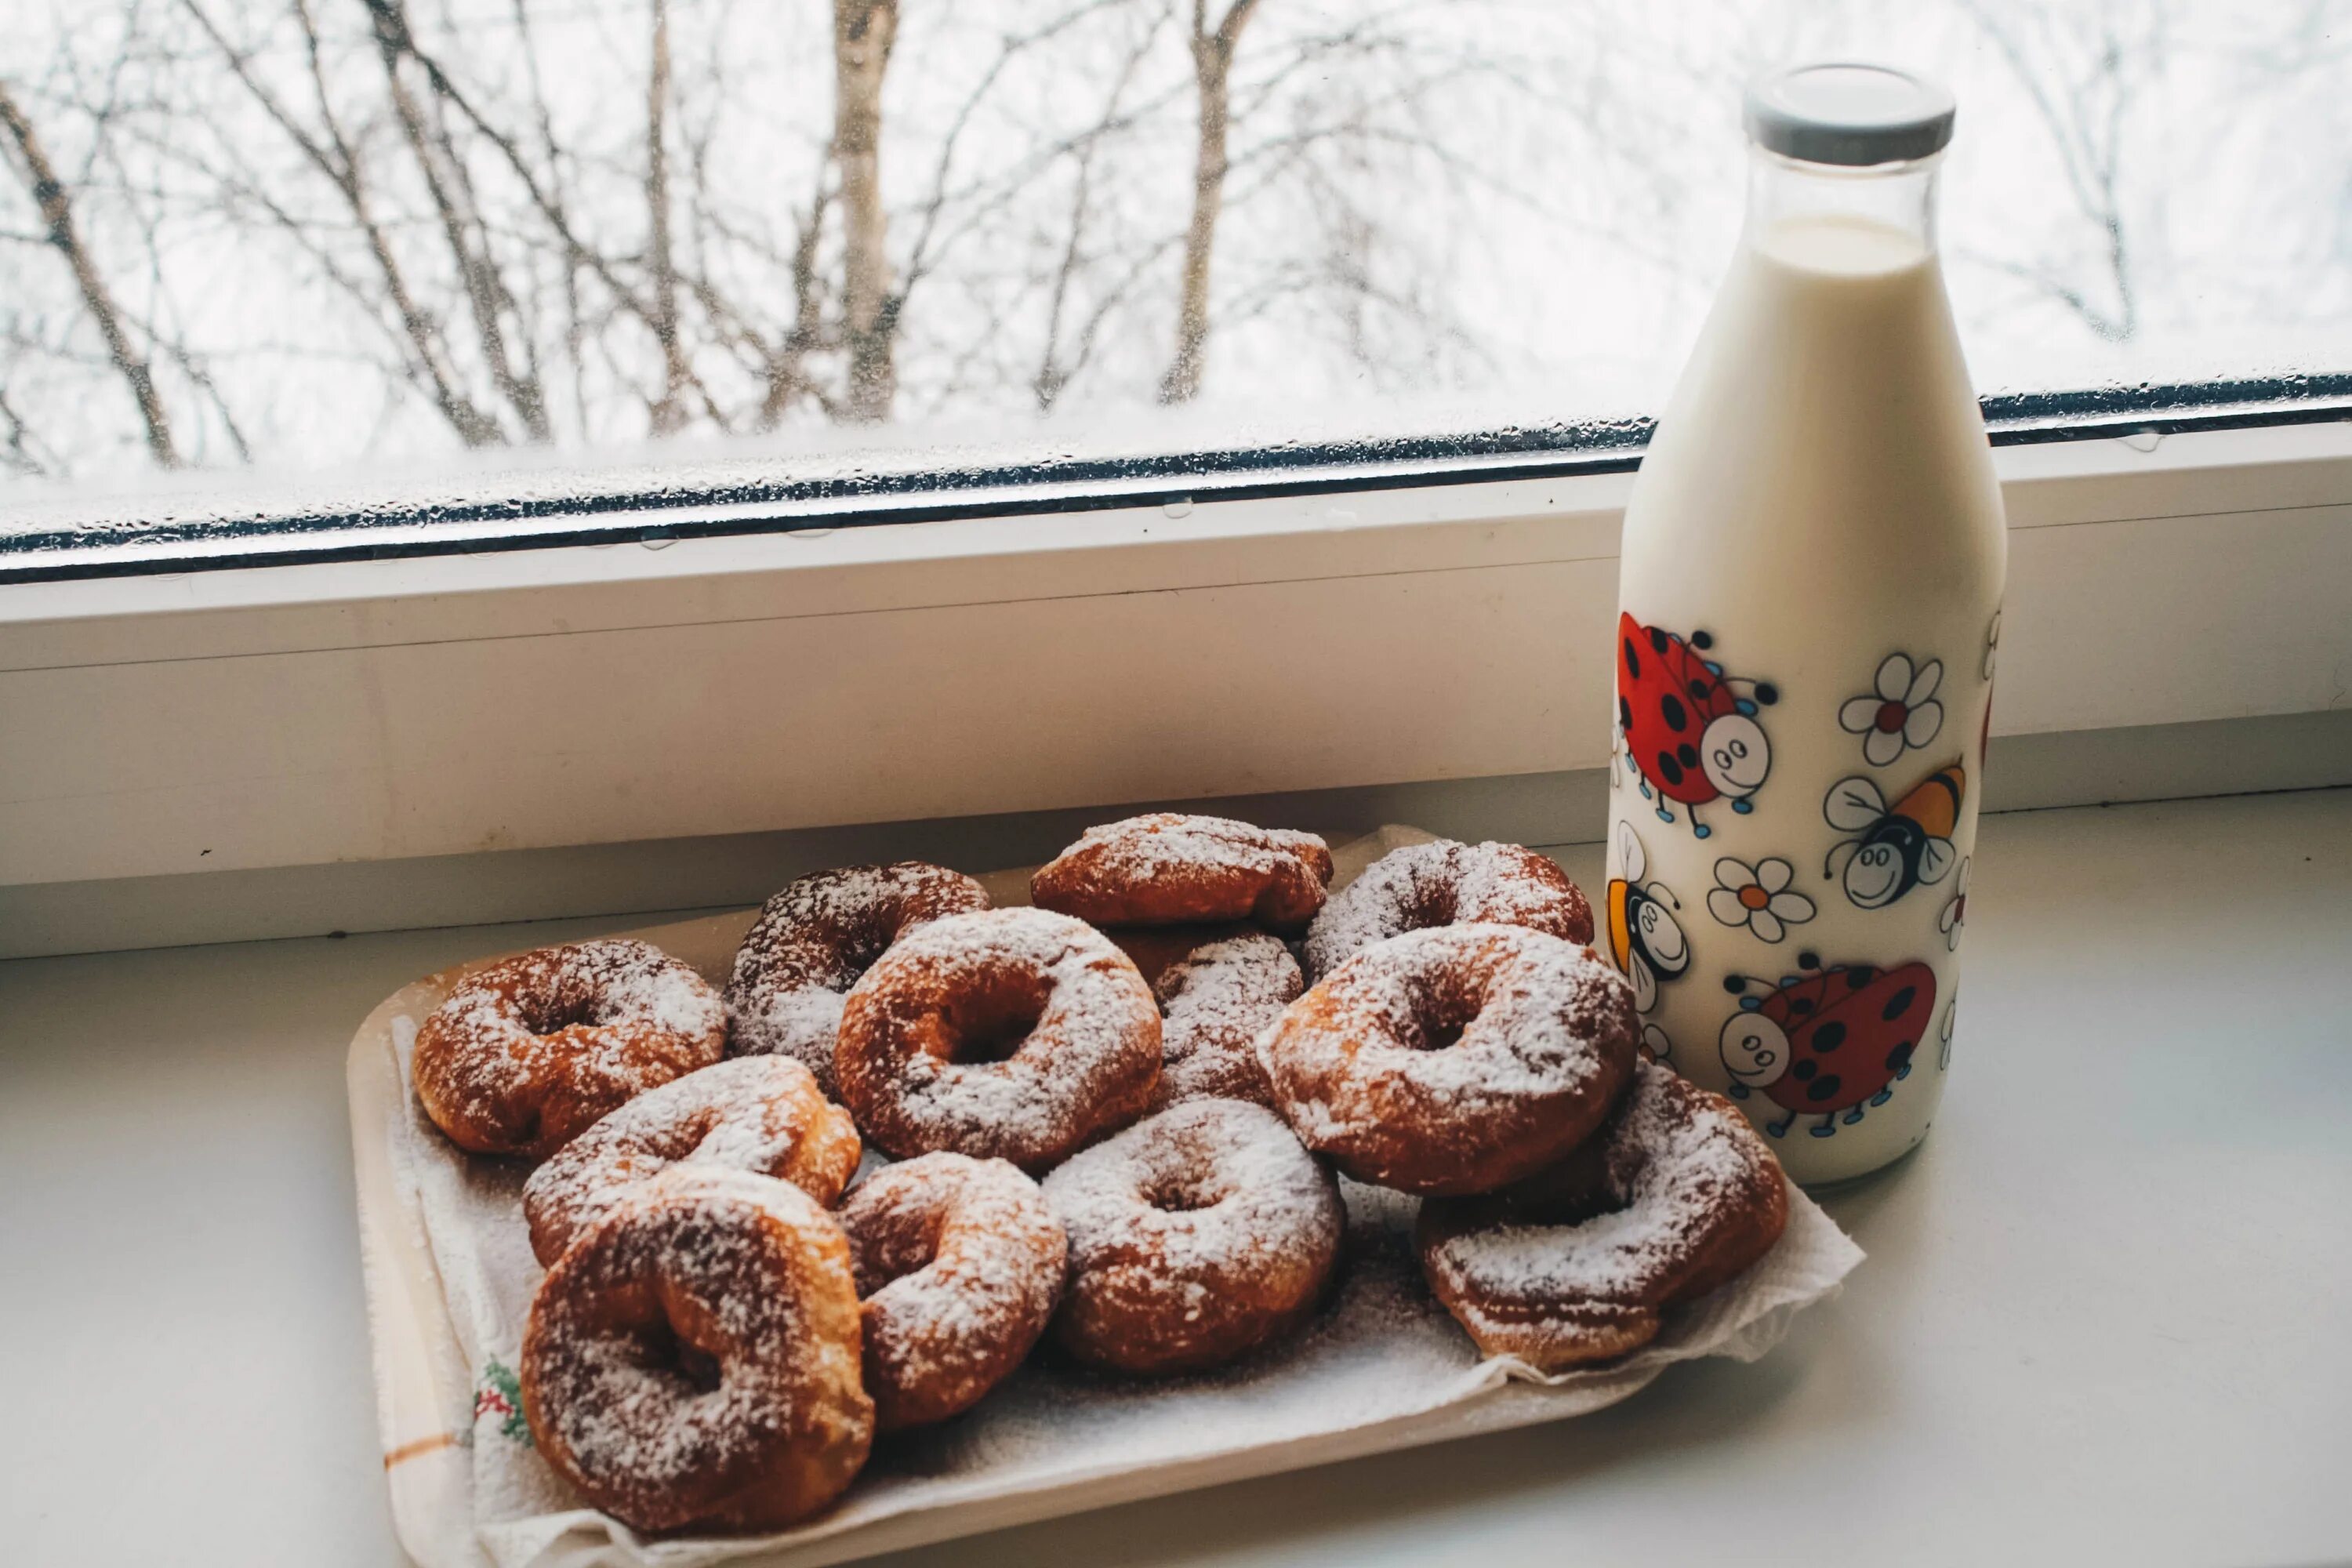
x,y
1758,897
1956,909
1900,714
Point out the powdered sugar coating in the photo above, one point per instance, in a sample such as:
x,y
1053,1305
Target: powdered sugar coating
x,y
1195,1237
527,1052
1166,868
1447,882
1453,1059
1087,1033
960,1263
811,942
763,1114
1214,1002
694,1358
1672,1198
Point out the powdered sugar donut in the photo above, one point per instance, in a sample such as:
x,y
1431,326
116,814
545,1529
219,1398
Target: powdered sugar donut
x,y
1444,882
1167,868
1195,1237
527,1052
1454,1058
758,1113
1012,1034
1214,1002
814,939
694,1358
959,1262
1672,1198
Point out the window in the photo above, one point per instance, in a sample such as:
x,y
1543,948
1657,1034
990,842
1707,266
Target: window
x,y
450,263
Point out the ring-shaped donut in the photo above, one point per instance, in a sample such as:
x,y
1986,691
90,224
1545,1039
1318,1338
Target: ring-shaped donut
x,y
1169,868
1446,882
1453,1059
1675,1196
694,1358
1011,1034
813,940
1195,1237
762,1115
528,1052
959,1263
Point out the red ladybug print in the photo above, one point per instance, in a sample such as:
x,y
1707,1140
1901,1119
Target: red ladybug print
x,y
1827,1040
1689,734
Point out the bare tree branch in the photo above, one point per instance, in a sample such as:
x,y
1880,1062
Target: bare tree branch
x,y
57,210
437,161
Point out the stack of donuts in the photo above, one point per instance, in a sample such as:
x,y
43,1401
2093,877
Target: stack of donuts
x,y
1115,1121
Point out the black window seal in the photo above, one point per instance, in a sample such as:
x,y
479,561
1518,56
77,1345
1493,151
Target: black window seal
x,y
1070,485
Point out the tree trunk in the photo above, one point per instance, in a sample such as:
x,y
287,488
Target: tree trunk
x,y
57,213
443,174
669,411
862,32
1213,66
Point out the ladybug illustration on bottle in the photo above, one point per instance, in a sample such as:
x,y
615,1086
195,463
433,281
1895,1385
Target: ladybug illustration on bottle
x,y
1897,848
1644,938
1827,1040
1690,735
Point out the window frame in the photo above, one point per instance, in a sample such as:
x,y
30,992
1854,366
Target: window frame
x,y
236,540
430,706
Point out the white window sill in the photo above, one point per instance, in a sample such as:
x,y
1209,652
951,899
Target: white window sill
x,y
306,716
2100,1318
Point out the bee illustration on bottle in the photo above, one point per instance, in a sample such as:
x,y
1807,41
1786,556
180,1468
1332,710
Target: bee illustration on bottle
x,y
1644,938
1690,735
1827,1040
1894,849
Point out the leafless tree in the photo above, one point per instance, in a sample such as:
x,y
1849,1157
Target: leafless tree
x,y
56,206
863,34
668,410
318,228
1213,71
2085,106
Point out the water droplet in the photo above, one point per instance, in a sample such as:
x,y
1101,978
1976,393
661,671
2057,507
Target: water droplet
x,y
656,540
1181,507
2144,440
810,532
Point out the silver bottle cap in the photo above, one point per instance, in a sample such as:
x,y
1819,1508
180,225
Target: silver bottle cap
x,y
1849,114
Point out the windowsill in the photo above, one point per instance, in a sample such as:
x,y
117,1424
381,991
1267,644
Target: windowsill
x,y
2029,1329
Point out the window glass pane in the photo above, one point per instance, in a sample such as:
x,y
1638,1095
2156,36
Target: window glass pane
x,y
453,253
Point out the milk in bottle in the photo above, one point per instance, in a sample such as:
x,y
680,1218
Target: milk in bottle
x,y
1810,608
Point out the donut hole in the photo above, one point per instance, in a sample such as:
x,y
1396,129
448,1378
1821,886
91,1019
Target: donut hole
x,y
662,1349
994,1022
1585,1185
864,942
1442,1033
1434,904
1441,1016
554,1014
882,1252
1183,1195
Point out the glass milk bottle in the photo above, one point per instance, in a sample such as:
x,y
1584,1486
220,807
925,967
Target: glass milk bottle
x,y
1810,604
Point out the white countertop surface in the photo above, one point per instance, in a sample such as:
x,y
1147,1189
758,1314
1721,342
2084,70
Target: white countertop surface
x,y
2107,1315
